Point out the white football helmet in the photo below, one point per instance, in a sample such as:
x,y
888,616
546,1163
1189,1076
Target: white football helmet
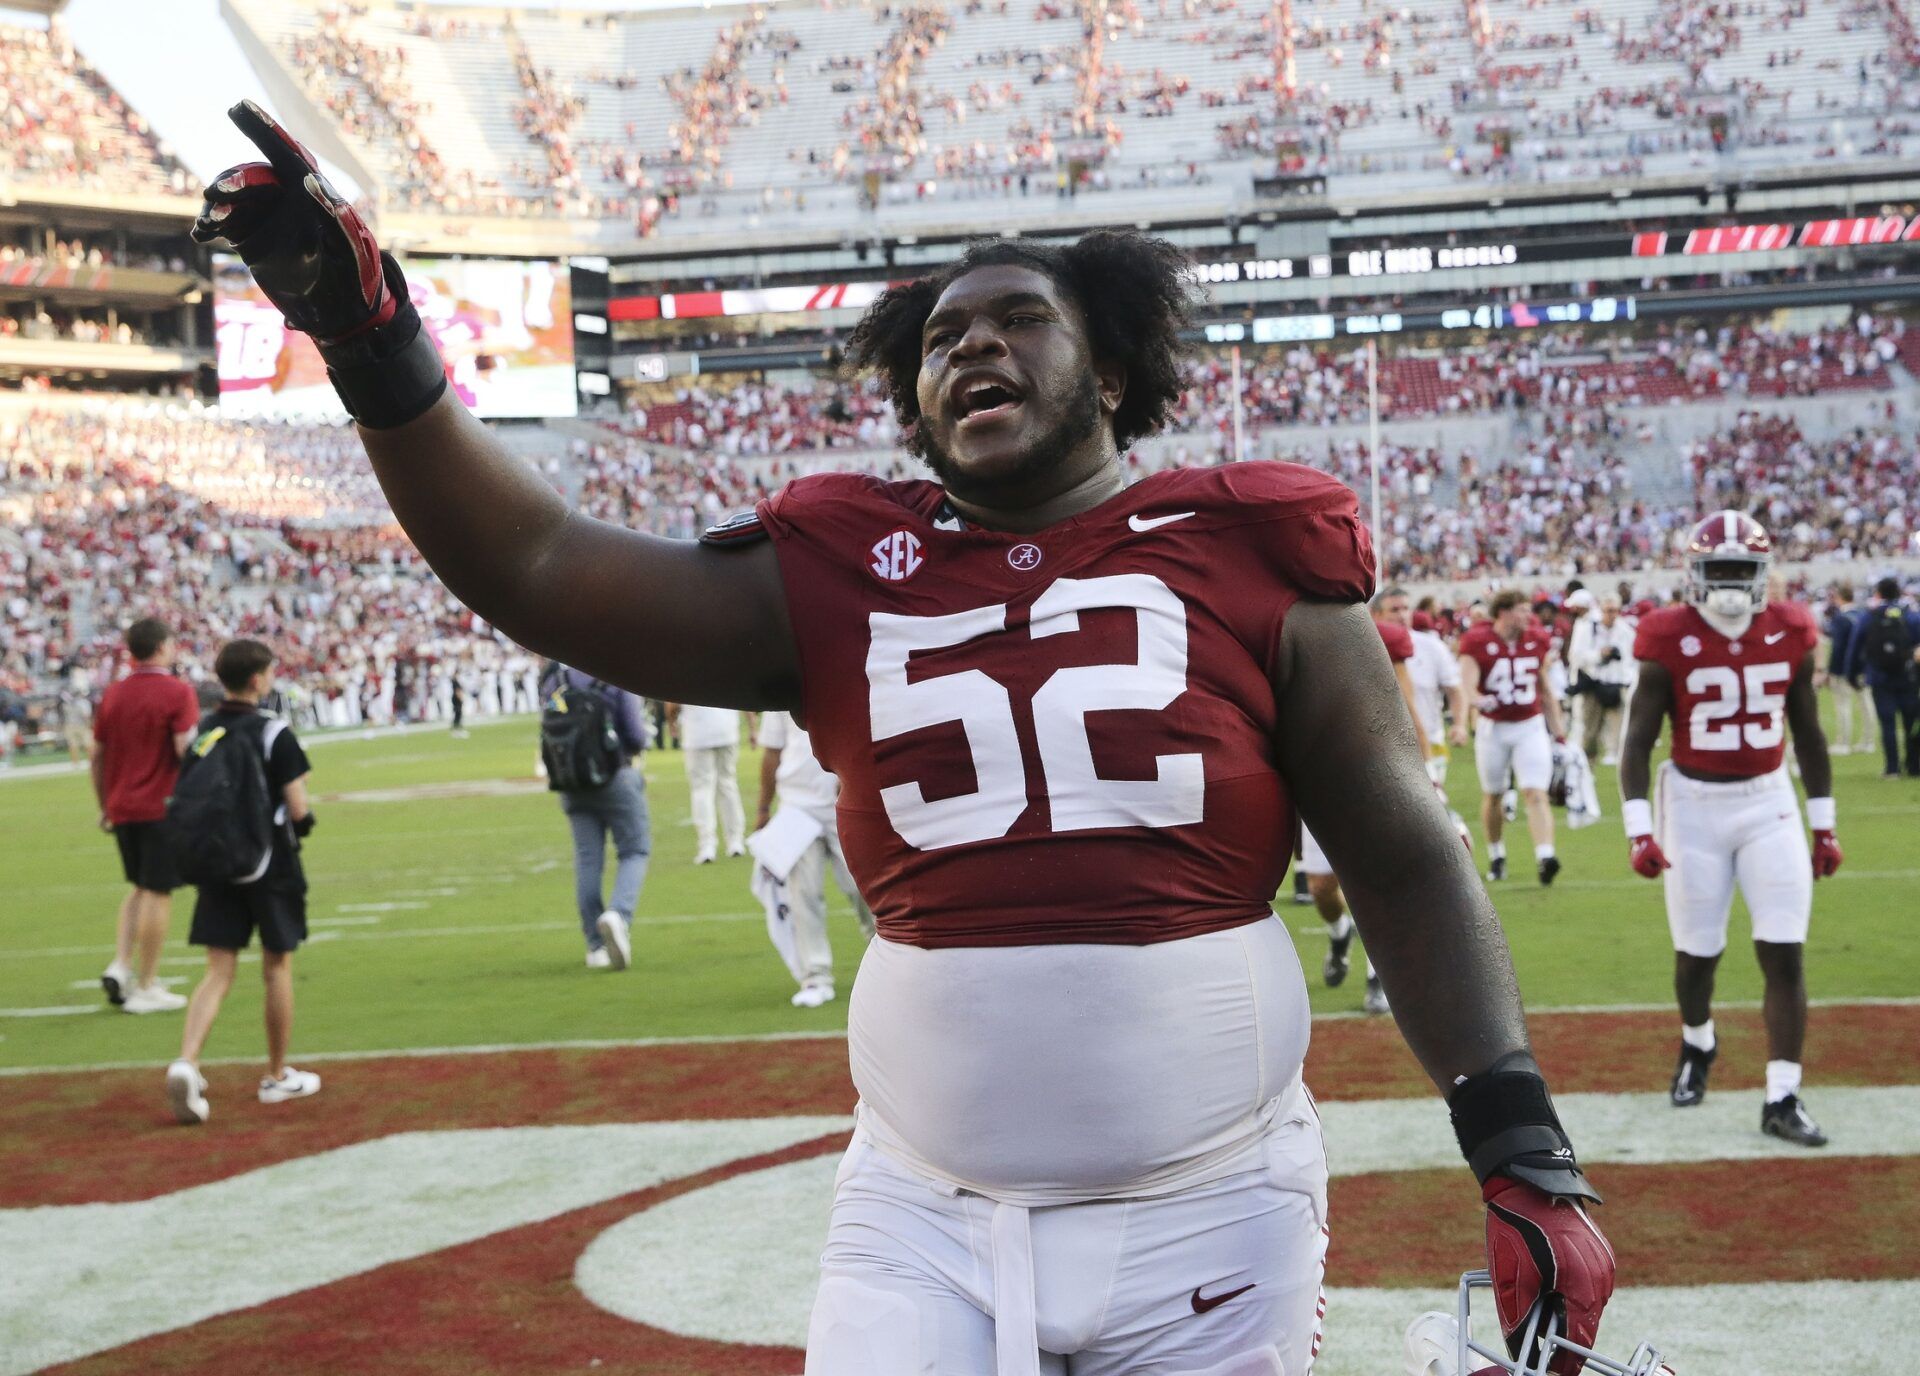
x,y
1443,1345
1728,558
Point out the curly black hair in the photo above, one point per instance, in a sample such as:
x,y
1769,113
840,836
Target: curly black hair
x,y
1136,291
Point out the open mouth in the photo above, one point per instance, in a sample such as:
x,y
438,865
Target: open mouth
x,y
983,402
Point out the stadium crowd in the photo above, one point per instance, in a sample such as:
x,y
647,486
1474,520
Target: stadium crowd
x,y
60,121
279,532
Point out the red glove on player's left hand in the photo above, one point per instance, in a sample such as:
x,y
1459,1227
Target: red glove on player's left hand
x,y
1826,855
1543,1250
1646,857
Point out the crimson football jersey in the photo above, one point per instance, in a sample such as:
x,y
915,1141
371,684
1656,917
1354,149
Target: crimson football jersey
x,y
1063,736
1512,674
1729,696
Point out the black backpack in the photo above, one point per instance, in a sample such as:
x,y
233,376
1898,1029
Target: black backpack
x,y
1889,645
578,743
220,817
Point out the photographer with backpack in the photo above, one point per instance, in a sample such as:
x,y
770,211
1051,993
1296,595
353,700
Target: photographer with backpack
x,y
589,733
234,826
1885,649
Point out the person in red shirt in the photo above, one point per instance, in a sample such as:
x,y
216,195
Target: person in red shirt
x,y
1503,668
140,732
1734,671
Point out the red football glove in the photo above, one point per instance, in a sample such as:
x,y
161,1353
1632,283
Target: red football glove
x,y
1646,857
1543,1250
309,250
1826,855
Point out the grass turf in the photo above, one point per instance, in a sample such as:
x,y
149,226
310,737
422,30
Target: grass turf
x,y
448,920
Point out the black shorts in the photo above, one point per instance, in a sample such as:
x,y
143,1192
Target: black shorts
x,y
144,856
225,915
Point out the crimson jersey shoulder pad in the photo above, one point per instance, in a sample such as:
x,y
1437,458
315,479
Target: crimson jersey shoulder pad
x,y
742,528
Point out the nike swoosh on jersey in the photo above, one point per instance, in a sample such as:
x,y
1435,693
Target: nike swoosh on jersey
x,y
1144,523
1776,637
1201,1306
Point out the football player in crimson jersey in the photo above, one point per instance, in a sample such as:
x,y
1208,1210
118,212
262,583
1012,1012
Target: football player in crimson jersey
x,y
1322,884
1073,722
1733,671
1503,669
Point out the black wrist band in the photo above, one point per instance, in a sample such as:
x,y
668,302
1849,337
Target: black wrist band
x,y
1504,1121
392,374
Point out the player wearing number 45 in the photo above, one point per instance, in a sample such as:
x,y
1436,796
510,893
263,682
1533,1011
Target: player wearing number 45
x,y
1733,671
1503,664
1073,722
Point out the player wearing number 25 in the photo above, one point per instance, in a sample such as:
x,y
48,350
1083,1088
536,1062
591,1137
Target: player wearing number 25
x,y
1732,671
1074,723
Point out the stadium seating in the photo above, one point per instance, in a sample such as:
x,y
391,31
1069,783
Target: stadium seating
x,y
61,123
672,119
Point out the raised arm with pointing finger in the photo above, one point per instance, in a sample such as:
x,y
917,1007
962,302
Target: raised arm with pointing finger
x,y
665,618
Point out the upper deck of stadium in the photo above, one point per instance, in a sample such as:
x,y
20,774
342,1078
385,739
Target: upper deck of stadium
x,y
681,125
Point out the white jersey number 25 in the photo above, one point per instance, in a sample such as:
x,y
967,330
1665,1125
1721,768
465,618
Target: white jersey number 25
x,y
1708,720
1078,798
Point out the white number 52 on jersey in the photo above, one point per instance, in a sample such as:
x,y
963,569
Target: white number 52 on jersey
x,y
1078,797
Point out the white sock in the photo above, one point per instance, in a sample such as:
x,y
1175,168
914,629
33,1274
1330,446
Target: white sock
x,y
1699,1038
1783,1078
1543,852
1496,850
1342,929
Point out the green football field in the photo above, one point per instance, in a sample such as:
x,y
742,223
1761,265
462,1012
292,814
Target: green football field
x,y
442,916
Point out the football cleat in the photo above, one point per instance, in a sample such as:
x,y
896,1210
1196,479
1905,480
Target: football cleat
x,y
1548,868
1333,970
1789,1120
1690,1076
1443,1345
1497,868
813,996
1376,1000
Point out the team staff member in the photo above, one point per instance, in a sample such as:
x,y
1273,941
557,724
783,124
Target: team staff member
x,y
1071,721
616,810
1850,700
225,916
1885,654
710,745
794,848
140,732
1600,653
1503,664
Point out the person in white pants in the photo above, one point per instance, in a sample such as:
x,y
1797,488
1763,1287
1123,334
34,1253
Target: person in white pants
x,y
793,848
710,739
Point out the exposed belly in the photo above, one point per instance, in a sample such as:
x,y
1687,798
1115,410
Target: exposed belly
x,y
1044,1073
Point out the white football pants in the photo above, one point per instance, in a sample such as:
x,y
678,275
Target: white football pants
x,y
804,891
713,775
921,1278
1520,748
1741,831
